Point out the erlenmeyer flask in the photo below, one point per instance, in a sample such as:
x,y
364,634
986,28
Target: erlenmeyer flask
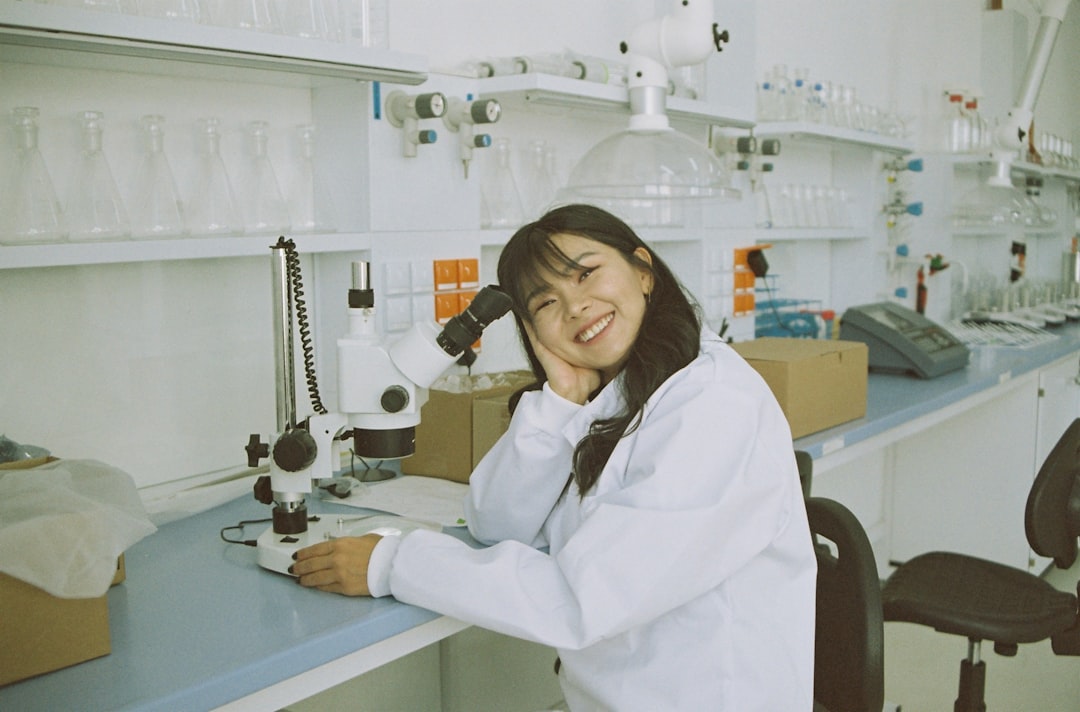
x,y
170,9
537,186
262,205
310,205
258,15
31,211
156,210
95,210
211,208
311,19
500,193
102,5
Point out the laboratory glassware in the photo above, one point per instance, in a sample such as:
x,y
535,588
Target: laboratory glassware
x,y
211,208
156,209
500,194
311,19
100,5
537,184
366,22
32,214
170,9
95,210
262,204
258,15
310,205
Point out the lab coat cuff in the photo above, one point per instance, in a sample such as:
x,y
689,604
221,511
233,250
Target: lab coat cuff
x,y
380,564
555,408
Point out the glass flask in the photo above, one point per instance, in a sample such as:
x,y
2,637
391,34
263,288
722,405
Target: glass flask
x,y
95,210
156,209
170,9
310,204
537,185
502,202
311,19
211,207
258,15
261,202
101,5
31,211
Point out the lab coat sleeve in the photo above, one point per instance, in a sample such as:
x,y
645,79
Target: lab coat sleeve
x,y
708,489
516,484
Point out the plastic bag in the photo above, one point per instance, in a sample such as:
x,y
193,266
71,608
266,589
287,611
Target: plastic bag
x,y
63,525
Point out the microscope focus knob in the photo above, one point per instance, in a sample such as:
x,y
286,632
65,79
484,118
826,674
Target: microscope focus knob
x,y
295,450
263,491
394,399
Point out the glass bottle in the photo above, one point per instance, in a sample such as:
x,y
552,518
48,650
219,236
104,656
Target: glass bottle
x,y
310,204
156,209
957,126
262,205
500,194
95,210
211,207
31,211
537,184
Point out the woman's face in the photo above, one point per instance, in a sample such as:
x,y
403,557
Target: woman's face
x,y
589,316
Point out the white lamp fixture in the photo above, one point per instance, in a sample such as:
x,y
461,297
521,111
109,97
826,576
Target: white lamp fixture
x,y
649,164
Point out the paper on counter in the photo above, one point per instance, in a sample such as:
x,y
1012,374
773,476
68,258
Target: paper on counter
x,y
427,499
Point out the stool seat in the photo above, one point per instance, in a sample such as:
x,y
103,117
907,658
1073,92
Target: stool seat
x,y
979,599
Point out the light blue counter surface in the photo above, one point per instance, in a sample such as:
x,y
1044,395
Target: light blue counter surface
x,y
198,624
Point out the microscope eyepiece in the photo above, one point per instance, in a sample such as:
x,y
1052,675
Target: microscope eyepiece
x,y
464,329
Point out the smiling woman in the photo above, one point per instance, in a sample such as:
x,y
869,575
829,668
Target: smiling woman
x,y
666,577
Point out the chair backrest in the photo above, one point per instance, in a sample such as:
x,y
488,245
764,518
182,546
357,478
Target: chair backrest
x,y
1052,514
849,658
806,470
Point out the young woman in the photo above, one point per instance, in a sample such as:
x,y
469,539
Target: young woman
x,y
644,509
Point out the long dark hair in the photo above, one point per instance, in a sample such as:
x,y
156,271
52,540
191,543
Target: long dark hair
x,y
668,340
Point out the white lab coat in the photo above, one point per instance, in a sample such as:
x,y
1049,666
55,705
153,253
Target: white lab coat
x,y
685,580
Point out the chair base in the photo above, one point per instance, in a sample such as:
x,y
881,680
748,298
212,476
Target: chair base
x,y
971,696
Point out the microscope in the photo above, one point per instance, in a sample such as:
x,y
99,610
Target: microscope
x,y
381,388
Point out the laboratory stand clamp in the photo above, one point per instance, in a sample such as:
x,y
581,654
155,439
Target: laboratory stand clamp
x,y
381,388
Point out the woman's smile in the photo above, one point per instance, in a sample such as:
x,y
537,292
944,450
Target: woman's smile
x,y
587,335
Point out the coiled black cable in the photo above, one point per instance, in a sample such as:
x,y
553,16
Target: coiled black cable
x,y
296,299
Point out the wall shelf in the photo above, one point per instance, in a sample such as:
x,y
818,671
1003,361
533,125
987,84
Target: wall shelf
x,y
804,131
549,90
68,36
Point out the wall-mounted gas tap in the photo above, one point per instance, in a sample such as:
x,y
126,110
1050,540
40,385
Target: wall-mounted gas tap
x,y
404,111
462,115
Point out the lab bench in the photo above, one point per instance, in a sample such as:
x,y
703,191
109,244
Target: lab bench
x,y
198,625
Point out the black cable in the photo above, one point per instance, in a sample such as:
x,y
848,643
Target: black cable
x,y
240,526
772,303
296,289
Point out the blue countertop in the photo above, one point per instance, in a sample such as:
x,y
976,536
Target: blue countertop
x,y
893,400
198,624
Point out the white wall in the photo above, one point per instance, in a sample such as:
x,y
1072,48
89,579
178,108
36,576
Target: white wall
x,y
164,368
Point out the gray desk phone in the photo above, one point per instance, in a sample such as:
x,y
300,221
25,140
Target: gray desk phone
x,y
903,341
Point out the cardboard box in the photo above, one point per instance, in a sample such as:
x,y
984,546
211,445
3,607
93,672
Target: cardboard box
x,y
41,632
819,383
450,439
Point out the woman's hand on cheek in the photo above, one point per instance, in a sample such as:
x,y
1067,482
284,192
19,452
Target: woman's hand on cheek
x,y
336,565
571,382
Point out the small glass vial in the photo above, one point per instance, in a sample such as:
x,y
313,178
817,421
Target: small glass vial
x,y
211,207
156,209
262,205
32,214
502,202
95,210
310,205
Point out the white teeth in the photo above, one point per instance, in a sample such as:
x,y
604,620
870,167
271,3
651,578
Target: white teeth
x,y
595,329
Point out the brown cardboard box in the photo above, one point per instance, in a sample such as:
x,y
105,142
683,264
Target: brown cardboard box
x,y
490,419
41,632
819,383
445,437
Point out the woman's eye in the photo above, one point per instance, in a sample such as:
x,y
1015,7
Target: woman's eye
x,y
585,273
543,304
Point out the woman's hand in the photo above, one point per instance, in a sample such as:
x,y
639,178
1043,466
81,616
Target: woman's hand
x,y
336,565
573,383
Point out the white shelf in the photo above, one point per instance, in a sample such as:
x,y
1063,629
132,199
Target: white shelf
x,y
788,234
69,36
978,160
550,90
804,131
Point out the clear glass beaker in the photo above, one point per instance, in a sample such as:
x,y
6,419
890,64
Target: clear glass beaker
x,y
310,205
261,202
502,202
32,214
211,208
156,209
94,209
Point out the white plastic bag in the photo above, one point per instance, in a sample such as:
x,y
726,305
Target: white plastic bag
x,y
63,525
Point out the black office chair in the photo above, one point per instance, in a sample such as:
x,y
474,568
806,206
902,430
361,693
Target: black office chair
x,y
849,658
984,600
